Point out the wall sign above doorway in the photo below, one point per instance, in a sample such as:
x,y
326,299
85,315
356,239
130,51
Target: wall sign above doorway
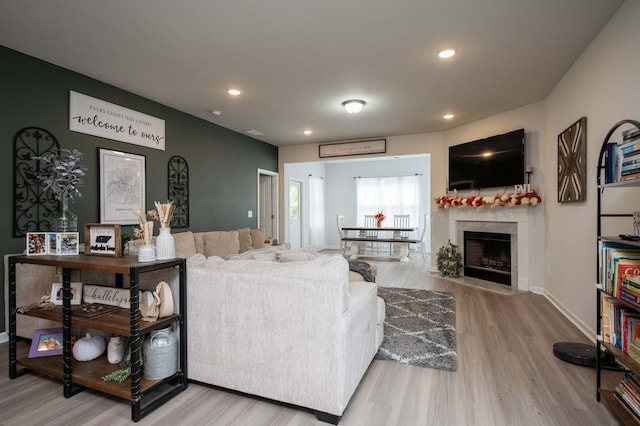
x,y
374,146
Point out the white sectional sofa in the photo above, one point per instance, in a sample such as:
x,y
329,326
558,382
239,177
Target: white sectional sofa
x,y
287,325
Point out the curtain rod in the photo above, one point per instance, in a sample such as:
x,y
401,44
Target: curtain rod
x,y
372,177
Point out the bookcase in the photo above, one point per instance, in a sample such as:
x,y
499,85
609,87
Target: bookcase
x,y
618,300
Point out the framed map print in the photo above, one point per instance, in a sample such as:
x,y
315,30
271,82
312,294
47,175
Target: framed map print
x,y
572,162
122,186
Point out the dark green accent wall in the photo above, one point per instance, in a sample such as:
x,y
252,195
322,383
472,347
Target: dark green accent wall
x,y
222,164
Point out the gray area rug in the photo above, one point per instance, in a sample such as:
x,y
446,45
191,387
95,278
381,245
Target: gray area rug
x,y
419,328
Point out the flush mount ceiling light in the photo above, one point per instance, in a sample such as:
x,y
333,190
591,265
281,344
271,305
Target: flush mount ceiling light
x,y
233,92
307,132
353,106
448,116
446,53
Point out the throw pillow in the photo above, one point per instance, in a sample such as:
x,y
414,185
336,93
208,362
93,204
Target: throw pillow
x,y
257,238
221,243
244,238
185,244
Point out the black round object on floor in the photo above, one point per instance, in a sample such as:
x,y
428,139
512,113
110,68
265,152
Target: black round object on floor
x,y
576,353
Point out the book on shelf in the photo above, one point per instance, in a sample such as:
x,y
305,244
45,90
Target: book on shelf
x,y
610,159
630,134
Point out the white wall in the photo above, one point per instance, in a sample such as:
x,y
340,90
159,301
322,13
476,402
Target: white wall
x,y
603,86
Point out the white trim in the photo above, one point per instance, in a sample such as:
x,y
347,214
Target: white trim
x,y
275,201
584,328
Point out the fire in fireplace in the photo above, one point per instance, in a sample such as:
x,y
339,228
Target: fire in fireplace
x,y
487,255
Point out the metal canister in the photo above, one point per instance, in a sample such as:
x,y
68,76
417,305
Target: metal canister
x,y
160,354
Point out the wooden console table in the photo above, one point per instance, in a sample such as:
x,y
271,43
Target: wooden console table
x,y
399,243
144,395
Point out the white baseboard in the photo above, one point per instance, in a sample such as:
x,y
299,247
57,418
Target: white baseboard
x,y
584,328
4,337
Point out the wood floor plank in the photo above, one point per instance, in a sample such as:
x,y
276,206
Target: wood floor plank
x,y
507,375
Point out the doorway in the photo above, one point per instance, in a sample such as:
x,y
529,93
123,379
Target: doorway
x,y
268,203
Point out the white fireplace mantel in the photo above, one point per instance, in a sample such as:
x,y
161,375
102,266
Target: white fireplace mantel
x,y
518,215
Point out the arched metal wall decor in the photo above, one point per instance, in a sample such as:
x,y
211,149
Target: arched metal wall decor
x,y
179,191
33,209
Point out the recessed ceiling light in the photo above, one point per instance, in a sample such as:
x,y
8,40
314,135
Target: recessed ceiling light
x,y
254,132
353,106
216,112
446,53
233,92
448,116
307,132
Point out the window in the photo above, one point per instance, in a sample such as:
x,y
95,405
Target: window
x,y
391,195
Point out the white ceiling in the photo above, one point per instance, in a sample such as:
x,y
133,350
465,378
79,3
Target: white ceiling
x,y
297,60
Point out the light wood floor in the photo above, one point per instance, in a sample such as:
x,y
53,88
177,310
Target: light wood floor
x,y
507,375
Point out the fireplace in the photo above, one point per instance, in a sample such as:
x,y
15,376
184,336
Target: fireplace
x,y
487,255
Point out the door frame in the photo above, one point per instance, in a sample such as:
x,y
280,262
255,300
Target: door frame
x,y
275,199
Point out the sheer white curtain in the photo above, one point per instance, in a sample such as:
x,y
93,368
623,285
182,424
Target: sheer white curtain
x,y
391,195
316,212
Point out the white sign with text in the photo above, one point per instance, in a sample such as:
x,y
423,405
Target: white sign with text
x,y
99,118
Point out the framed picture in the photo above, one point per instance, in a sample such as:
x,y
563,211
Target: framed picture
x,y
76,293
46,342
67,243
122,186
102,240
37,243
572,162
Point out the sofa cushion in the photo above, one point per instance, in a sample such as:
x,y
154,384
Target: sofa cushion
x,y
185,244
295,255
325,267
257,238
244,239
221,243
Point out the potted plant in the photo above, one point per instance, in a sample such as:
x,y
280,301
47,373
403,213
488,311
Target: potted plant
x,y
63,174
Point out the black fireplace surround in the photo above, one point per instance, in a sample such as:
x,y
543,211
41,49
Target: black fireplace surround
x,y
487,255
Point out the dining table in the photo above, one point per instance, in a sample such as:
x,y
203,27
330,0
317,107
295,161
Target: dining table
x,y
397,238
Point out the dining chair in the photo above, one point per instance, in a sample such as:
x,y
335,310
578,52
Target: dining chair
x,y
400,221
370,221
422,244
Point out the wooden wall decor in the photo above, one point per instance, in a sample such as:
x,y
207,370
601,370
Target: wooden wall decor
x,y
179,191
33,209
572,162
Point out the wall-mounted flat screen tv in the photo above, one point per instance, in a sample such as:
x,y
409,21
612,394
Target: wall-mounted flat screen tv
x,y
496,161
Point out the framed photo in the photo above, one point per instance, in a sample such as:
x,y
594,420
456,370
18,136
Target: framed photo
x,y
122,186
37,243
572,162
46,342
76,293
102,240
67,243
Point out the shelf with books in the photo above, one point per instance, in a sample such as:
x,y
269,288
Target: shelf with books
x,y
618,294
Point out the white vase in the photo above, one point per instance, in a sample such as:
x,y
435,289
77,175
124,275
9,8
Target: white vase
x,y
147,253
115,350
165,245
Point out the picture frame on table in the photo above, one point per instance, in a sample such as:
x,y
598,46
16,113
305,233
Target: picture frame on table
x,y
37,243
122,186
103,240
46,342
76,293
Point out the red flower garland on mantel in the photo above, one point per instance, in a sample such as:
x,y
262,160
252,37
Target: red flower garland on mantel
x,y
522,199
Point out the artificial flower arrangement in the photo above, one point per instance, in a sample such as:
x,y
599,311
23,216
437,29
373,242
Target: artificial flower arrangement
x,y
380,216
162,213
530,198
63,174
